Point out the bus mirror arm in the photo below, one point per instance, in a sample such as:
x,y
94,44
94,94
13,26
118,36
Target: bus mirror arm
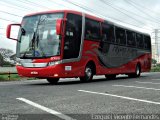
x,y
8,31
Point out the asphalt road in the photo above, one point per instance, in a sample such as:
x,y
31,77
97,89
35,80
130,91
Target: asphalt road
x,y
101,99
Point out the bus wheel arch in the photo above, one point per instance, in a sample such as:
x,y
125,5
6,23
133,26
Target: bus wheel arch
x,y
92,63
137,71
53,81
89,71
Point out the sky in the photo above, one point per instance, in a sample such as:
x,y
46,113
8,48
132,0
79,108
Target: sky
x,y
141,15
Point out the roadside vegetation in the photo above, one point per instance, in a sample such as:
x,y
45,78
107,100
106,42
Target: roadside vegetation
x,y
155,66
8,77
13,77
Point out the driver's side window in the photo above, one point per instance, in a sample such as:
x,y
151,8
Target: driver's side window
x,y
72,36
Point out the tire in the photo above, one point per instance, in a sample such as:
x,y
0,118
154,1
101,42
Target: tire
x,y
53,81
137,72
88,74
110,77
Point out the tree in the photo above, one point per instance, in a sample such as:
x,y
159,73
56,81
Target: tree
x,y
5,55
154,61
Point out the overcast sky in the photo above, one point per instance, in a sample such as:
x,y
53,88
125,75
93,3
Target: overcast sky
x,y
142,15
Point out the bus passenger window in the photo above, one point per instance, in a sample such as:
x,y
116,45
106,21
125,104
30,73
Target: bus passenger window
x,y
108,33
120,36
92,30
131,40
139,40
147,42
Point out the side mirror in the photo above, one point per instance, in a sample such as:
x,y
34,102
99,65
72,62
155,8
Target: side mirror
x,y
59,23
9,31
59,26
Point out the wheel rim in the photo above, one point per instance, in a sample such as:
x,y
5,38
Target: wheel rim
x,y
88,73
138,71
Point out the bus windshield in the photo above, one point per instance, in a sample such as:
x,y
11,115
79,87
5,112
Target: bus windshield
x,y
37,36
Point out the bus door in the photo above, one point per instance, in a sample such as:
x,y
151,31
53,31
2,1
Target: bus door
x,y
72,41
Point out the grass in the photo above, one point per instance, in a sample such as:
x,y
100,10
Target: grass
x,y
12,77
155,69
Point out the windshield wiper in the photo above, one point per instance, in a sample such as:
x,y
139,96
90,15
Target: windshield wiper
x,y
31,42
41,50
23,32
34,42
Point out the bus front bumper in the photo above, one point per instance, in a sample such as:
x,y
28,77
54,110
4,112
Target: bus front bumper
x,y
45,72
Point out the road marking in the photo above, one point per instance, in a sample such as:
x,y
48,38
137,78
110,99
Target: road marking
x,y
156,79
136,87
122,97
147,82
58,114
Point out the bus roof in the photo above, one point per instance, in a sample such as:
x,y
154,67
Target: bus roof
x,y
66,11
88,16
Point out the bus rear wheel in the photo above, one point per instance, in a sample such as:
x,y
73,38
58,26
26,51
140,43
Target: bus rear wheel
x,y
137,72
88,74
110,77
53,81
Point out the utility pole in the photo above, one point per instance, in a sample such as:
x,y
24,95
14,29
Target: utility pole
x,y
157,44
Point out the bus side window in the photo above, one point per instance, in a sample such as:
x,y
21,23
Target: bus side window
x,y
147,42
120,36
139,40
131,40
92,29
108,33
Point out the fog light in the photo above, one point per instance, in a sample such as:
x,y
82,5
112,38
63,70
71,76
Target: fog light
x,y
55,75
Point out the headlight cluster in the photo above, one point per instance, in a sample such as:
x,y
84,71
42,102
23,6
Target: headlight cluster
x,y
18,63
54,63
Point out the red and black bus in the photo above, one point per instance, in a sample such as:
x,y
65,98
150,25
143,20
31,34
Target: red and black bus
x,y
65,44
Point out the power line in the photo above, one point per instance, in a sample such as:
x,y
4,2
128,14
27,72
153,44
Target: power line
x,y
120,10
38,4
92,11
19,6
10,13
144,7
33,4
7,20
115,8
12,6
139,9
58,3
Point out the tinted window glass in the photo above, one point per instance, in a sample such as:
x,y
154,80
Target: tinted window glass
x,y
108,32
120,36
139,40
147,42
92,30
73,36
131,40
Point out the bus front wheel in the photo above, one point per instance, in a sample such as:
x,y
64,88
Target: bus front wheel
x,y
53,81
88,74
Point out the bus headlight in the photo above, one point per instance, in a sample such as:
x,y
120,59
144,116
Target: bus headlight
x,y
18,63
54,63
